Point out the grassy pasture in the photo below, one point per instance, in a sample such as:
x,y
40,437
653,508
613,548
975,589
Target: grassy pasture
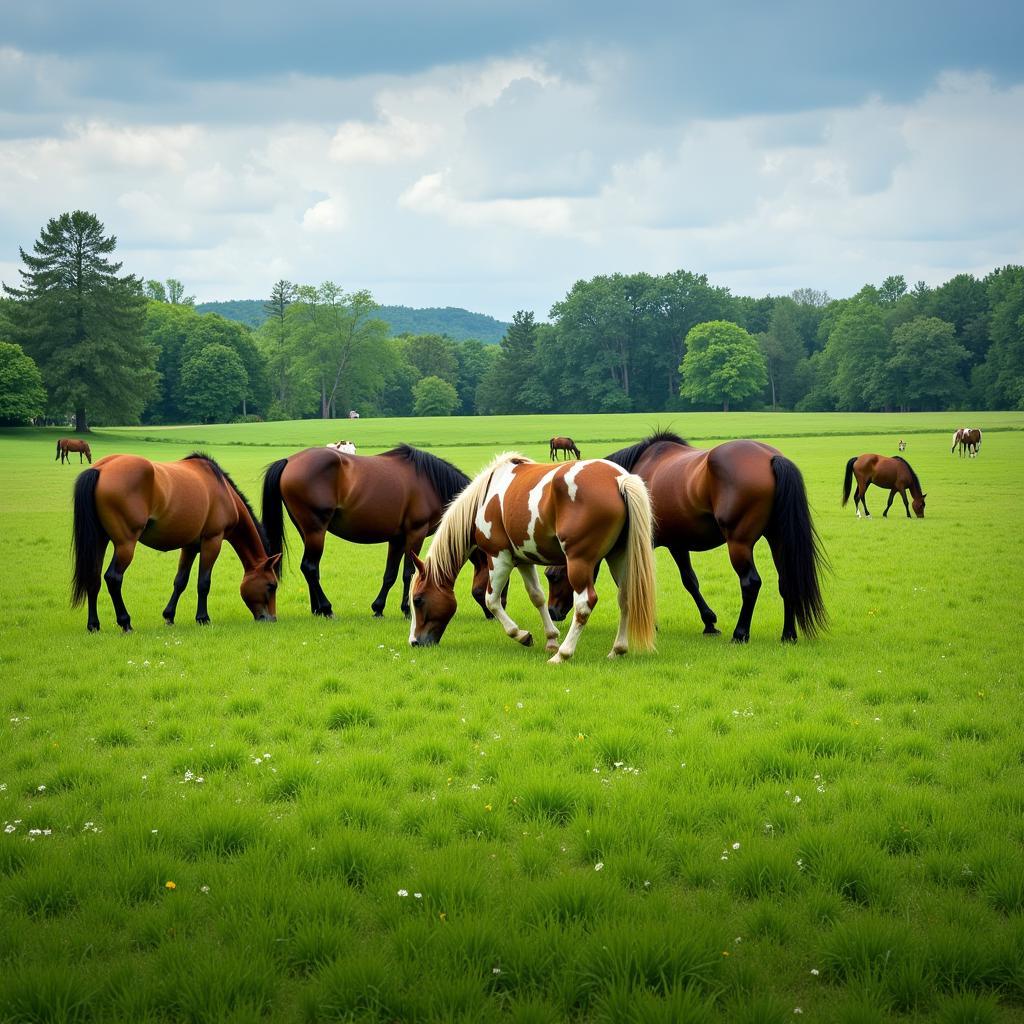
x,y
312,821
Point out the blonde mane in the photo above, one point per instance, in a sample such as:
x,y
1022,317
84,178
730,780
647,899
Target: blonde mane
x,y
454,538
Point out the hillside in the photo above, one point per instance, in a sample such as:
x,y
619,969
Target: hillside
x,y
458,324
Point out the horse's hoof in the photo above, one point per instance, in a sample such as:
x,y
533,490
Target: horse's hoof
x,y
126,628
93,627
739,638
789,638
615,653
556,659
525,638
205,621
552,645
168,622
377,614
712,631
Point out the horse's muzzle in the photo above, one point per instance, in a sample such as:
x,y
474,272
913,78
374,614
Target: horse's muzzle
x,y
266,617
558,612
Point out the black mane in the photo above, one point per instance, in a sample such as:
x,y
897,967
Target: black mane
x,y
913,476
627,458
222,474
446,479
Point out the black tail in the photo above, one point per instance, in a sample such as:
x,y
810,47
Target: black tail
x,y
273,512
848,479
800,557
88,538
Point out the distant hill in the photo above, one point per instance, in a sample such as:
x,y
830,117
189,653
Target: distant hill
x,y
458,324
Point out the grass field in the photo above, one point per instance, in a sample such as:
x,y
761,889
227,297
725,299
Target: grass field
x,y
313,821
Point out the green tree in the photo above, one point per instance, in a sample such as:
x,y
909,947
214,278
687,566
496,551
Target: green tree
x,y
722,364
926,364
499,389
783,349
155,291
475,360
858,352
213,383
176,293
83,324
22,396
892,290
434,397
1006,327
273,336
433,355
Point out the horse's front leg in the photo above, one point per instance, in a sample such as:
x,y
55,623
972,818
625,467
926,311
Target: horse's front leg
x,y
408,571
188,556
396,548
536,592
500,570
690,582
209,549
124,552
906,504
892,494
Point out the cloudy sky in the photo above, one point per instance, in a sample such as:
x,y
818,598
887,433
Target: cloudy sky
x,y
488,154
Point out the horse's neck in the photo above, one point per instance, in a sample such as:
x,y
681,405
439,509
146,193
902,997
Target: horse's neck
x,y
244,537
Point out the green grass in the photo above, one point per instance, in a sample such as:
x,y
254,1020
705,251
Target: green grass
x,y
708,833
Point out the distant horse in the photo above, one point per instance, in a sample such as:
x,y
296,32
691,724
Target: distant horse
x,y
732,494
395,498
970,439
902,446
345,447
192,505
70,444
522,514
894,473
565,445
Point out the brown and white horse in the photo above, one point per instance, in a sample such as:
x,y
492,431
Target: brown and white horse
x,y
345,447
523,514
564,445
882,471
192,505
66,445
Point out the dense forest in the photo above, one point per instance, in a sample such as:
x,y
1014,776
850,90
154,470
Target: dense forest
x,y
457,324
79,339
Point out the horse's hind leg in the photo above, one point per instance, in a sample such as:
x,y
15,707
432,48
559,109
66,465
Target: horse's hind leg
x,y
742,557
395,550
689,578
124,552
540,602
892,494
500,570
188,556
581,579
310,565
788,611
208,552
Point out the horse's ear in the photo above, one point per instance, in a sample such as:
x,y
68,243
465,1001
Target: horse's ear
x,y
417,561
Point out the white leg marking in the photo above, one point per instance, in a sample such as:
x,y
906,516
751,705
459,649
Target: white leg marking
x,y
540,602
498,577
582,610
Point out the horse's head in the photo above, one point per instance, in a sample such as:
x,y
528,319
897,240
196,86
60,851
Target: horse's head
x,y
918,506
259,589
433,606
560,595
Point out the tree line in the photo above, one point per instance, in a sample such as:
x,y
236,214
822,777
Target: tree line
x,y
79,338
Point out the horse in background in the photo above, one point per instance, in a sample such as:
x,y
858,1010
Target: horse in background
x,y
522,514
902,446
192,505
732,494
345,447
882,471
65,445
395,498
564,445
970,440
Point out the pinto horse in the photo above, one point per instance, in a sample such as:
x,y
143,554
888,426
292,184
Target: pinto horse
x,y
732,494
564,445
192,505
395,498
894,473
65,445
522,514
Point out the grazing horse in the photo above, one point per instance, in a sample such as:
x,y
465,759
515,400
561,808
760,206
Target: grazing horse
x,y
70,444
345,447
902,446
970,439
894,473
522,514
732,494
395,498
564,445
192,505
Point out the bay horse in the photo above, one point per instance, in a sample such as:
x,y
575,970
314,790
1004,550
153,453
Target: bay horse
x,y
522,514
192,505
395,498
895,473
732,494
65,445
564,445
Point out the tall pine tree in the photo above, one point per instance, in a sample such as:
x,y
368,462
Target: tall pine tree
x,y
83,324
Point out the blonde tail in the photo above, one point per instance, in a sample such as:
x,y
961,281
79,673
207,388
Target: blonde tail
x,y
639,582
